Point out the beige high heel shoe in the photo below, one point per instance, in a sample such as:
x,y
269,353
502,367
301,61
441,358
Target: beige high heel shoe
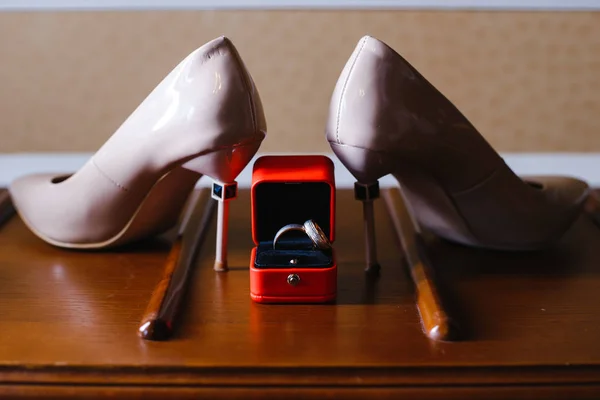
x,y
386,118
204,118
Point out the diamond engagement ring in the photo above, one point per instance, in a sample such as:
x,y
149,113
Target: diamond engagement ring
x,y
312,230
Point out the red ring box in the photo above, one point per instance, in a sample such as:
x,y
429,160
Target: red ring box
x,y
290,190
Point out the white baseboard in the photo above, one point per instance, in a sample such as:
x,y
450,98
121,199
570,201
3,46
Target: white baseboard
x,y
585,166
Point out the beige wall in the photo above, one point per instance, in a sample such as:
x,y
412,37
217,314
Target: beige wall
x,y
529,81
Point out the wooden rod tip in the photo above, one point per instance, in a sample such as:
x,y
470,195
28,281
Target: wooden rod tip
x,y
444,332
373,269
154,330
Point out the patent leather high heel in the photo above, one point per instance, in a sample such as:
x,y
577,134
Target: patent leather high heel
x,y
204,118
386,118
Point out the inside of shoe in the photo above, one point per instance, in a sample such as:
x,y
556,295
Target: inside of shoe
x,y
535,185
60,178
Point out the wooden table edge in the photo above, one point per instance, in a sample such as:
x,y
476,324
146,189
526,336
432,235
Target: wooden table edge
x,y
174,376
421,392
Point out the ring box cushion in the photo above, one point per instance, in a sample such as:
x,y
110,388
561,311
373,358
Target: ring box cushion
x,y
290,190
306,257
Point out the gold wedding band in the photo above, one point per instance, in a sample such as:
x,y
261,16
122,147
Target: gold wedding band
x,y
311,229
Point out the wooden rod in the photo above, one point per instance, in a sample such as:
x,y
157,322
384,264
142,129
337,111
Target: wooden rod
x,y
434,318
159,319
7,209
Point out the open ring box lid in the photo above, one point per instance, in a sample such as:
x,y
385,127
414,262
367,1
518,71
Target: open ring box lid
x,y
290,190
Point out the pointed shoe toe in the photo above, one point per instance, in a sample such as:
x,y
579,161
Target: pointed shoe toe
x,y
29,195
204,118
386,118
55,209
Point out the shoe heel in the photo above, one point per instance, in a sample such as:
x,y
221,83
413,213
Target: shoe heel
x,y
367,193
367,166
223,166
223,193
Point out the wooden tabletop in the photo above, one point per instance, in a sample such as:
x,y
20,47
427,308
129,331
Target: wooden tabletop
x,y
68,322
